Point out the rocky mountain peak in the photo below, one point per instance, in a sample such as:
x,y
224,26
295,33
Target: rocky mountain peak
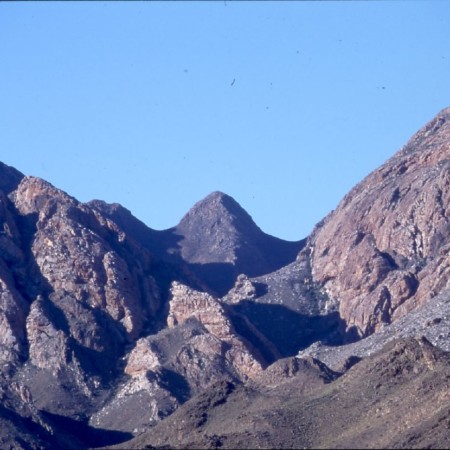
x,y
220,240
37,196
218,215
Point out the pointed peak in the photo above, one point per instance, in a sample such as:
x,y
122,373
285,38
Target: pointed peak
x,y
216,197
218,207
219,198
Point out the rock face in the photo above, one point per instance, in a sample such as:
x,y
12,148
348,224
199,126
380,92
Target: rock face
x,y
383,251
78,252
187,304
207,347
84,289
199,348
107,327
91,283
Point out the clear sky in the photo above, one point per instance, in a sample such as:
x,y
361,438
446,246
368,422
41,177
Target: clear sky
x,y
285,106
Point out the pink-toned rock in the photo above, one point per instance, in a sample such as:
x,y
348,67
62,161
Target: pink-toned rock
x,y
142,358
48,346
187,303
382,252
12,319
74,250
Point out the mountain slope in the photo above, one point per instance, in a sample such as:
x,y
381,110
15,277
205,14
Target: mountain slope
x,y
383,251
397,398
85,288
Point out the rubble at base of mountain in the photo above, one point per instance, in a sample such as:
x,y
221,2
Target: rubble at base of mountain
x,y
397,398
432,321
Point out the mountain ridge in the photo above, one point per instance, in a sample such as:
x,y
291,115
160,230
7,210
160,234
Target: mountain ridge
x,y
387,233
108,328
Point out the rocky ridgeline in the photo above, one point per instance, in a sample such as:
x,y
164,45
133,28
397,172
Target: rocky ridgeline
x,y
383,251
87,284
84,289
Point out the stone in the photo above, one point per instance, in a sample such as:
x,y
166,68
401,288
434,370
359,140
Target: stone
x,y
382,252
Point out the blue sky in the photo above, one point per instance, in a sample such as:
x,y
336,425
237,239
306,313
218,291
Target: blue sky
x,y
283,105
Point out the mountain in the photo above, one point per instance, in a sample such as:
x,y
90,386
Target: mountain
x,y
216,241
85,301
221,241
112,331
383,251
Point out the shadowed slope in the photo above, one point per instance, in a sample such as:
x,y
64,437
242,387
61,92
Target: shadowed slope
x,y
396,399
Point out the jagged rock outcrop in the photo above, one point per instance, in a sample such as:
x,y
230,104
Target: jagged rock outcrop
x,y
206,342
13,310
199,348
76,252
48,345
13,264
75,289
383,251
187,303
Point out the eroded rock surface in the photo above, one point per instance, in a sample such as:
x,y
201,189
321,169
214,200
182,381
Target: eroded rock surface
x,y
383,251
199,348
